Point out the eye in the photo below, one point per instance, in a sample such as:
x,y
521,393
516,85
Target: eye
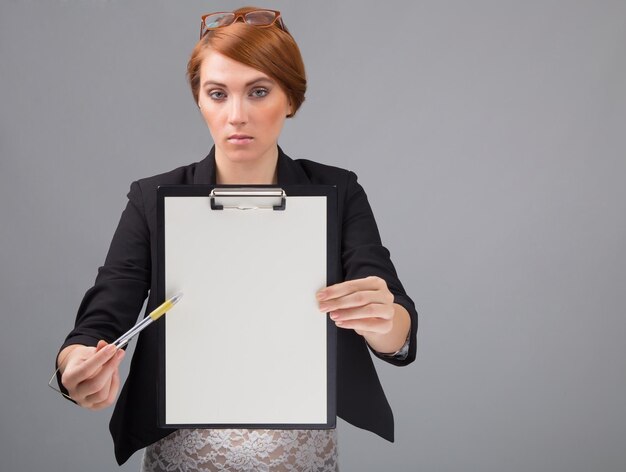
x,y
217,95
259,92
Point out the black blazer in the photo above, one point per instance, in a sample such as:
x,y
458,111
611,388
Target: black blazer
x,y
111,306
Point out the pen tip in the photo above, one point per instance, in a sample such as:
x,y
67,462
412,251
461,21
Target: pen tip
x,y
177,297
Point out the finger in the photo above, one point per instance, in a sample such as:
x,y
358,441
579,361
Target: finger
x,y
74,359
103,392
100,380
372,310
99,396
373,325
351,286
355,299
101,345
92,365
115,385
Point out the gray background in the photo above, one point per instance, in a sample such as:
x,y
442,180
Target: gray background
x,y
490,137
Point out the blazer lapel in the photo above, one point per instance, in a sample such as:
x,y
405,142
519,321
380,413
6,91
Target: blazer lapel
x,y
289,171
205,170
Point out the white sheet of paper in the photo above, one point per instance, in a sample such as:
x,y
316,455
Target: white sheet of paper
x,y
247,343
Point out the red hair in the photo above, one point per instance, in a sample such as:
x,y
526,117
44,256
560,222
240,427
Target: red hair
x,y
270,50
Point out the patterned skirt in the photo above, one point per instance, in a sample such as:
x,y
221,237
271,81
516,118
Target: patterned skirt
x,y
258,450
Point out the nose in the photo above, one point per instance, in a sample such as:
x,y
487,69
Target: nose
x,y
237,113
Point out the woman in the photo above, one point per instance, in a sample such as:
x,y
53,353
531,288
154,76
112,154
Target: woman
x,y
247,77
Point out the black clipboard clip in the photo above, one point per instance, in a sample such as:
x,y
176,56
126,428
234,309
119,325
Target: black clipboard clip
x,y
248,198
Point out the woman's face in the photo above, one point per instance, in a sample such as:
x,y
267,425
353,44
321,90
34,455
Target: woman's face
x,y
244,109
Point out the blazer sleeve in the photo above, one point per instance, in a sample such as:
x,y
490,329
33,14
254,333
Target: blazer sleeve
x,y
363,255
111,306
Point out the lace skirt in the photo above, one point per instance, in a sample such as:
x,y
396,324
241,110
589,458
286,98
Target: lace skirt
x,y
191,450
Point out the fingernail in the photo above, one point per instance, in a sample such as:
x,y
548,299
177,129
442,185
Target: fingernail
x,y
321,295
338,323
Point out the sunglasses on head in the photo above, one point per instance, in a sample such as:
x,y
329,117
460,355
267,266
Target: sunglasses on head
x,y
261,18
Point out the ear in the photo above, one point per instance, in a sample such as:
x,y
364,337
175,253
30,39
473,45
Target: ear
x,y
289,110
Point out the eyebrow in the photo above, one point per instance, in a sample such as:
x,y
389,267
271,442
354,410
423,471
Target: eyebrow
x,y
248,84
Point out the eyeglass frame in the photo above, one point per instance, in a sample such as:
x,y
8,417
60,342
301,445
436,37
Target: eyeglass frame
x,y
52,379
204,29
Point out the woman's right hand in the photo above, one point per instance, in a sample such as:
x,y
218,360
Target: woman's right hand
x,y
91,374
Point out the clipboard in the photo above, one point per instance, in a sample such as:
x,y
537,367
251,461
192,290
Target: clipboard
x,y
247,346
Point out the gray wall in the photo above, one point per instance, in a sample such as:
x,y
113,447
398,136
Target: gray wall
x,y
490,137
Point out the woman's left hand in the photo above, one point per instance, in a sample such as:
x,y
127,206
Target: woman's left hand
x,y
364,305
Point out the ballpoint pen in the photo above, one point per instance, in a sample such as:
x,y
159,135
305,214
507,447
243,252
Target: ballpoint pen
x,y
123,340
153,316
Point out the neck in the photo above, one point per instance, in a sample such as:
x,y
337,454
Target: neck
x,y
262,171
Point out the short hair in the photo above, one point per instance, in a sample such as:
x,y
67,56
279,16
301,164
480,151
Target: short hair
x,y
270,50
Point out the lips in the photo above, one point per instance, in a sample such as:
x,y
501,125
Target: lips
x,y
240,139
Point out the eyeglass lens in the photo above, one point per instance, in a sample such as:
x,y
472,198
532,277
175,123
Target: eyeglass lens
x,y
219,19
260,18
254,18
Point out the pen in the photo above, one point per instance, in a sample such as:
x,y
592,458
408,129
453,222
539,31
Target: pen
x,y
153,316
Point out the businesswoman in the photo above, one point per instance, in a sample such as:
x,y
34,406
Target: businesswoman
x,y
246,76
